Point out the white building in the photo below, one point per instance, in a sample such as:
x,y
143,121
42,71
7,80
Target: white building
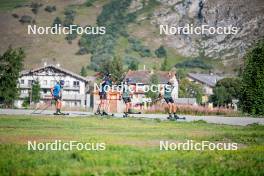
x,y
74,93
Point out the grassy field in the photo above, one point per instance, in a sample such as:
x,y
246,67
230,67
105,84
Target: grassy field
x,y
132,147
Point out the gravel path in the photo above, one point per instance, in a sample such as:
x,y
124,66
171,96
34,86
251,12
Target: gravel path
x,y
242,121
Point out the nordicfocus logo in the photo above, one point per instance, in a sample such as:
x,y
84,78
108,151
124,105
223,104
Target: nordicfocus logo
x,y
191,145
190,29
58,29
138,87
58,145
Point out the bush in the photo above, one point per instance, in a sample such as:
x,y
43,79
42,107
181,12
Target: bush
x,y
225,90
69,17
50,8
138,47
15,15
161,52
26,19
190,89
26,102
89,3
82,51
133,65
56,21
35,7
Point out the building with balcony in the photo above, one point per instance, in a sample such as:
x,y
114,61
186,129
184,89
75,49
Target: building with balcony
x,y
74,92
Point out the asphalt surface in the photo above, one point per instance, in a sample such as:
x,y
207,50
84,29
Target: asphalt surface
x,y
242,121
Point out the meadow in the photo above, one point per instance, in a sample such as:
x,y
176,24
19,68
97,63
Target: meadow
x,y
132,147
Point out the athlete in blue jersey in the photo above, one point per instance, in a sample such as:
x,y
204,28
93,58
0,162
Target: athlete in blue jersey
x,y
56,93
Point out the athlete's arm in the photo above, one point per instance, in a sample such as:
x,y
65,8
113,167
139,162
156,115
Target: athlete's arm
x,y
51,90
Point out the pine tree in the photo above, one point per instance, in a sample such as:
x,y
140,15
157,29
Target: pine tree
x,y
36,92
117,70
83,72
11,63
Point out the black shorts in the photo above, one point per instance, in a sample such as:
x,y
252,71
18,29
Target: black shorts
x,y
57,98
169,100
127,99
103,96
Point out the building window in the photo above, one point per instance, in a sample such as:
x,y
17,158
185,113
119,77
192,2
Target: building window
x,y
67,83
76,84
45,82
24,91
30,82
22,81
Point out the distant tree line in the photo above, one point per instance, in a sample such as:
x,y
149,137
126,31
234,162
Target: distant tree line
x,y
194,63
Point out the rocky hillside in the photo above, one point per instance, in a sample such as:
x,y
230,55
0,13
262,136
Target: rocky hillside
x,y
247,15
139,38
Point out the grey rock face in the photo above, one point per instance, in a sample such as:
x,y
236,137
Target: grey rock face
x,y
246,15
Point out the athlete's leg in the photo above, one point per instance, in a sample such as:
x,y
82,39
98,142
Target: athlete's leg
x,y
170,107
129,106
59,105
174,107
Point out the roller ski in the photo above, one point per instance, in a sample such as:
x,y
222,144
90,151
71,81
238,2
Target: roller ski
x,y
170,117
103,113
106,114
60,113
125,115
176,117
98,112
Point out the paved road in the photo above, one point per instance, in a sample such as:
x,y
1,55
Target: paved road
x,y
243,121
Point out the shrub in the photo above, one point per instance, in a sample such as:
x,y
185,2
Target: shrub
x,y
69,17
225,90
138,47
161,52
50,8
26,102
26,19
35,7
89,3
57,21
133,65
82,51
15,15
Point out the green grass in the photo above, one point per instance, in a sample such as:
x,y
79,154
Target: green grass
x,y
6,5
132,147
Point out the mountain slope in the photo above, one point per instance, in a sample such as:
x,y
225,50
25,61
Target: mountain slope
x,y
139,37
